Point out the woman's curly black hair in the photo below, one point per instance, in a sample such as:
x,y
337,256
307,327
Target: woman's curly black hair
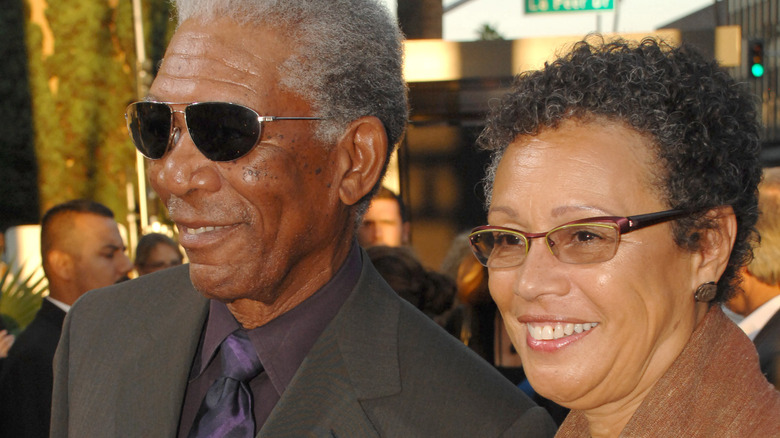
x,y
701,122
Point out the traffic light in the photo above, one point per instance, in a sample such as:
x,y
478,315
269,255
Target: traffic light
x,y
756,58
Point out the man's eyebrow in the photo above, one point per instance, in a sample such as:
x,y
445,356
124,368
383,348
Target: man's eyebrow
x,y
114,248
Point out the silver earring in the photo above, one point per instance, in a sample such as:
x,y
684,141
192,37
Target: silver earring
x,y
706,292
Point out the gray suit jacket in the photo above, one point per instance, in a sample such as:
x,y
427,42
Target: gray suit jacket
x,y
380,368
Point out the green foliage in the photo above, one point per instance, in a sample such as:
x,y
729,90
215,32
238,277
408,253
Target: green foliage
x,y
21,297
488,33
84,84
68,72
79,92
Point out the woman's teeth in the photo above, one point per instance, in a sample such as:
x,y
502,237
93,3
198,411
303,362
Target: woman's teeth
x,y
557,331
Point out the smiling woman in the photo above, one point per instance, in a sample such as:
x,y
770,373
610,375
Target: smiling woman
x,y
622,197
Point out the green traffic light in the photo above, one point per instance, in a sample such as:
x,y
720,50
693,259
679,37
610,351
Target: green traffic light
x,y
757,70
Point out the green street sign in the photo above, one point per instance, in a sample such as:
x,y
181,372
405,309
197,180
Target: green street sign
x,y
537,6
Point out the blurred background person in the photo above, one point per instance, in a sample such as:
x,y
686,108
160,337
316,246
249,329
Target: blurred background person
x,y
476,321
81,250
6,340
431,292
474,317
156,251
622,201
759,299
385,222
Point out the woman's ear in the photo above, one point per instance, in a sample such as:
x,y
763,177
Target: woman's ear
x,y
361,158
716,244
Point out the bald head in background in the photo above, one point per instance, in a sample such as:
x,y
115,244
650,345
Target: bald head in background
x,y
81,249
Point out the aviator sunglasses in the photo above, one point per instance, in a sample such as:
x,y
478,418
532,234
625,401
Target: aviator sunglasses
x,y
591,240
221,131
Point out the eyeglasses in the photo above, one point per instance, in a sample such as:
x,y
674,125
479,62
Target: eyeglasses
x,y
221,131
591,240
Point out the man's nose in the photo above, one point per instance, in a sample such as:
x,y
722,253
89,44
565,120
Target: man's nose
x,y
124,265
183,168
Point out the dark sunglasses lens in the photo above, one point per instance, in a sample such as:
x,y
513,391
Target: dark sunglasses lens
x,y
222,131
149,124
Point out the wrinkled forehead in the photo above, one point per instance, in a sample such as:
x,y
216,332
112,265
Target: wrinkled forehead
x,y
221,53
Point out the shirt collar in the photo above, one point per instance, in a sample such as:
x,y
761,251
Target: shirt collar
x,y
753,323
65,308
284,342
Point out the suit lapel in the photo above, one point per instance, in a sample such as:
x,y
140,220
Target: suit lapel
x,y
767,344
51,313
153,384
355,359
769,330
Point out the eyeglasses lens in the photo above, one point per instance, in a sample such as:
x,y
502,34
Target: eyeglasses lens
x,y
584,243
576,244
498,249
149,124
221,131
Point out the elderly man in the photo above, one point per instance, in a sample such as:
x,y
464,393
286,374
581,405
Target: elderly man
x,y
81,250
268,126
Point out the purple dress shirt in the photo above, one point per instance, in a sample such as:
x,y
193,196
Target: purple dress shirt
x,y
282,344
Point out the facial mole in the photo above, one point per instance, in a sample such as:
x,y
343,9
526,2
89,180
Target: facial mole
x,y
251,174
318,171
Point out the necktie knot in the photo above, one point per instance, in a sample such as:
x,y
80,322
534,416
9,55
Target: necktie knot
x,y
226,410
239,358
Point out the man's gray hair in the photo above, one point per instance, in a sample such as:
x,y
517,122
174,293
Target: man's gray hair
x,y
348,61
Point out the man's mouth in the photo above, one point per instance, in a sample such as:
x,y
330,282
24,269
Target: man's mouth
x,y
203,229
548,332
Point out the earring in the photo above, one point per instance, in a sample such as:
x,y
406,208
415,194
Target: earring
x,y
706,292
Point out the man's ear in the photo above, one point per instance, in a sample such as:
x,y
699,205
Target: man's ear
x,y
361,158
61,263
716,245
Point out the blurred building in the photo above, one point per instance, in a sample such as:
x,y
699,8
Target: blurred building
x,y
760,22
451,85
757,22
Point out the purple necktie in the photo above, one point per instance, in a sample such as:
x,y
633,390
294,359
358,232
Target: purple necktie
x,y
226,410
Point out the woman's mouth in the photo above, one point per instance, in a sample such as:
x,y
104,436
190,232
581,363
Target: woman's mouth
x,y
548,332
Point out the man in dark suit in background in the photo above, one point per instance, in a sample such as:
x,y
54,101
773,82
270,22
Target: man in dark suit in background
x,y
269,126
759,300
81,250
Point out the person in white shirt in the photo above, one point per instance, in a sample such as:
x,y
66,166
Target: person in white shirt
x,y
81,250
759,300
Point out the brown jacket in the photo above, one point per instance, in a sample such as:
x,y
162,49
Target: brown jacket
x,y
713,389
